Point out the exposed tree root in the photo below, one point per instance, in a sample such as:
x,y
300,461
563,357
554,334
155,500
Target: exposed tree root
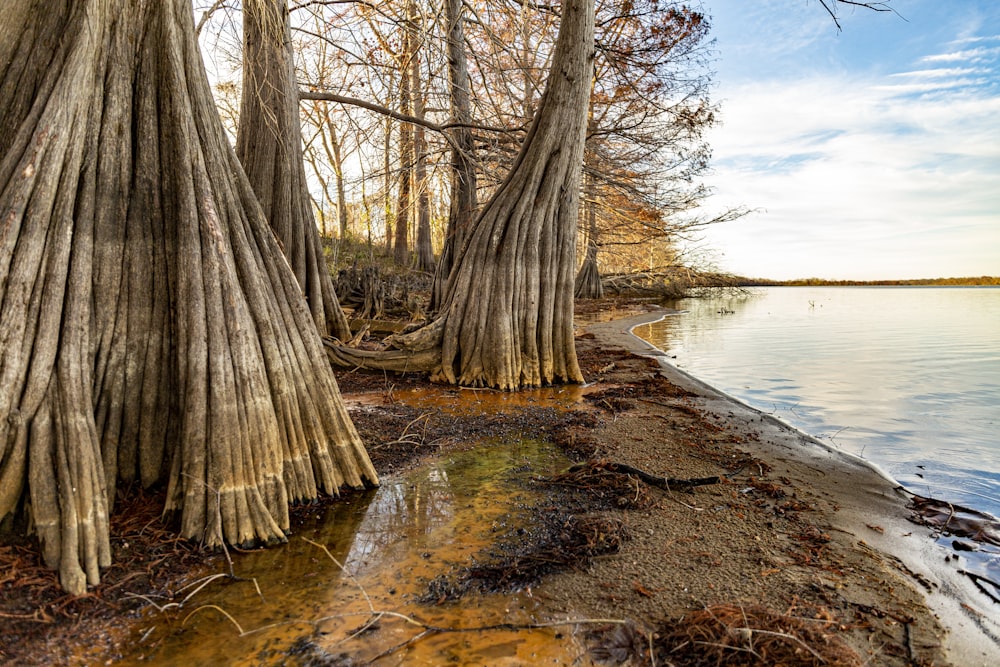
x,y
981,582
394,361
956,520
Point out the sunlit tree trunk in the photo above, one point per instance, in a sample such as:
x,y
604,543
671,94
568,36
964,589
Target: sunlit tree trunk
x,y
507,318
150,329
387,178
269,145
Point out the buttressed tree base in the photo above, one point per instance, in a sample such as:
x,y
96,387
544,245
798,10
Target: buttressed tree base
x,y
150,329
506,320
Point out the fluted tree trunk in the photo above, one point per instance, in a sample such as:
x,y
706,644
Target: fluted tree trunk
x,y
150,329
269,145
507,318
588,279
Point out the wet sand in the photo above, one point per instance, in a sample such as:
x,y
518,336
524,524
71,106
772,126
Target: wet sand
x,y
891,562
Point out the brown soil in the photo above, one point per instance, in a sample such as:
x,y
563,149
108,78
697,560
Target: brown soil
x,y
754,569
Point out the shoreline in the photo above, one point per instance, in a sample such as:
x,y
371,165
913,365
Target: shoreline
x,y
867,494
790,525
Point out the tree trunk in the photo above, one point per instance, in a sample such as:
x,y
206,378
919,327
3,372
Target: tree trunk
x,y
269,145
387,176
463,168
425,249
338,172
401,247
507,319
149,328
588,279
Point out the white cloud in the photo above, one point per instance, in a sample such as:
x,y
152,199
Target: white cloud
x,y
981,54
930,86
860,178
940,72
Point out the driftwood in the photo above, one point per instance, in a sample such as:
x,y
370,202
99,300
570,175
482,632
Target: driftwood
x,y
980,582
668,483
955,520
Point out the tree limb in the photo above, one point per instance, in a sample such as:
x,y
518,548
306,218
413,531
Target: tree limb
x,y
406,118
874,6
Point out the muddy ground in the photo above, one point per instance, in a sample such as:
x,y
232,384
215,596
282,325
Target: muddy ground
x,y
750,566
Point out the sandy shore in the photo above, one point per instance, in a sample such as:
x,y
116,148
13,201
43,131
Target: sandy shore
x,y
891,560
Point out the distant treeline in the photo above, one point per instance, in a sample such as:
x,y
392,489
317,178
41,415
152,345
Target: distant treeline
x,y
814,282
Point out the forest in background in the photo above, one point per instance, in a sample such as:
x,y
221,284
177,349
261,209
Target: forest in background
x,y
971,281
385,133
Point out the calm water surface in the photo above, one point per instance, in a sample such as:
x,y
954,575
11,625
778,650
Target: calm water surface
x,y
312,602
908,378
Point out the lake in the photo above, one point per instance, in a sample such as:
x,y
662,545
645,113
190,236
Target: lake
x,y
905,377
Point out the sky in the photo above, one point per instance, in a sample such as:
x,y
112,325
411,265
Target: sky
x,y
865,154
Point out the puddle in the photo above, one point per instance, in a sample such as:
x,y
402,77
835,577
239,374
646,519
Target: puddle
x,y
610,311
296,606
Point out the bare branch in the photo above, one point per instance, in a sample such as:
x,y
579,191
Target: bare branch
x,y
406,118
874,6
206,17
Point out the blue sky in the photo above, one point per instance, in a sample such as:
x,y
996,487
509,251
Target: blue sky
x,y
869,153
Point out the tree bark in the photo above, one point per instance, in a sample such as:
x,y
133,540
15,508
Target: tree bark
x,y
507,319
387,178
150,329
269,145
588,279
338,172
425,249
463,168
401,247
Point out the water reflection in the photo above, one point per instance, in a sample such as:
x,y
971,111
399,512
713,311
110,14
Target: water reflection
x,y
297,605
908,378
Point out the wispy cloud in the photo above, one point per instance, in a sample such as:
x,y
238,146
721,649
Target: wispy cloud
x,y
868,153
863,178
942,84
940,72
981,54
